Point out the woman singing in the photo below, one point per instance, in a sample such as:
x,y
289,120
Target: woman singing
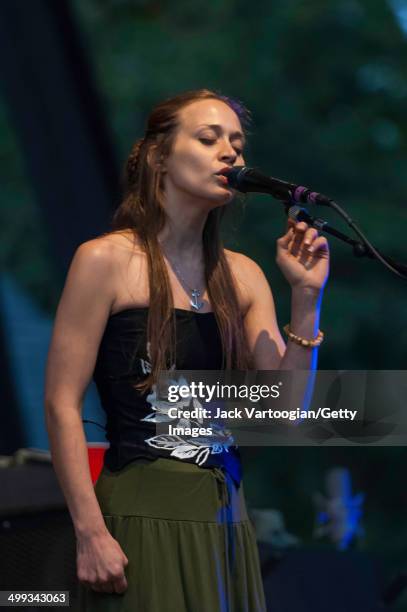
x,y
166,527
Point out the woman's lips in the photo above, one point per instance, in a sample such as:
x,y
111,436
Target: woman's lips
x,y
223,179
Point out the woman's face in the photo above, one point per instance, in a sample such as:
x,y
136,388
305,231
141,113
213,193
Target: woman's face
x,y
209,138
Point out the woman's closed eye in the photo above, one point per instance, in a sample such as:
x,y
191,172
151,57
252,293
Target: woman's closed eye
x,y
212,141
208,141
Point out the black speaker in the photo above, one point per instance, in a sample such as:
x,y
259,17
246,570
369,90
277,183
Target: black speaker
x,y
37,539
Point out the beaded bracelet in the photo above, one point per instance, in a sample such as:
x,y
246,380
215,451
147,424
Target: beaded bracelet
x,y
303,341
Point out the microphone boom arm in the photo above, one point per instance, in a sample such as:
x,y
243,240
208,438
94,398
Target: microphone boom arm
x,y
251,180
360,249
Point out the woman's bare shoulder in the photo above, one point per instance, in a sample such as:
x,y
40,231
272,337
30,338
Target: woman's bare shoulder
x,y
243,266
111,248
126,262
107,255
124,239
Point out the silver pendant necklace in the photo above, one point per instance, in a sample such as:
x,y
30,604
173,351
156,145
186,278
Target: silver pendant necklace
x,y
195,293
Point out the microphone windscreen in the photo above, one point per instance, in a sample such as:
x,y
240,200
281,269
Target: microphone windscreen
x,y
234,176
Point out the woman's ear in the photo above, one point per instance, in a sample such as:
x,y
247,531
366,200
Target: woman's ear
x,y
156,159
162,164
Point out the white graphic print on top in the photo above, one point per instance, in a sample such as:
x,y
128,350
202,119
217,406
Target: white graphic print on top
x,y
183,447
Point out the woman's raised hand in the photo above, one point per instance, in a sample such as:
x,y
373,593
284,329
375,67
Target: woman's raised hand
x,y
101,563
303,257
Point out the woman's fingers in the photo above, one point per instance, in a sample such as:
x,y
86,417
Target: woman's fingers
x,y
285,240
320,247
120,585
302,239
113,585
309,237
101,564
112,580
293,238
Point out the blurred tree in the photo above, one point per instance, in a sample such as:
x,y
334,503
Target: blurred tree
x,y
327,86
23,240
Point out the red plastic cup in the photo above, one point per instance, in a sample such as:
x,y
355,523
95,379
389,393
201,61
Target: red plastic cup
x,y
96,453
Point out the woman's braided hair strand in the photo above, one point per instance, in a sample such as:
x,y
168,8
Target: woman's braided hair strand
x,y
132,162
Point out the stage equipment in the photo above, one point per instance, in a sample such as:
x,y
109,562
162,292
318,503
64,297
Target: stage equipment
x,y
37,539
251,180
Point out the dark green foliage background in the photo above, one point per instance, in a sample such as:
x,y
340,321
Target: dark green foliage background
x,y
327,85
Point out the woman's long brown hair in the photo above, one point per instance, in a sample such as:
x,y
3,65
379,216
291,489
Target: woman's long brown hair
x,y
143,212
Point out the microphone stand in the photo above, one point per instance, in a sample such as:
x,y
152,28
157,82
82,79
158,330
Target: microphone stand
x,y
360,248
250,180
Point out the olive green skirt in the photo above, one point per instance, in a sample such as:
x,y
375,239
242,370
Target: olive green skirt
x,y
188,539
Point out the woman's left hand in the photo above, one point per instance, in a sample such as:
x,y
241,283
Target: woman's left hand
x,y
303,257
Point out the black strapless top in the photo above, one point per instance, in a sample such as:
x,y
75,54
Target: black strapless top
x,y
123,361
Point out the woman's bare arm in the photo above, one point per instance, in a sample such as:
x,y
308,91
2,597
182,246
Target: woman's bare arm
x,y
265,342
266,345
81,318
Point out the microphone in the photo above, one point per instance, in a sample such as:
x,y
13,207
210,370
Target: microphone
x,y
251,180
